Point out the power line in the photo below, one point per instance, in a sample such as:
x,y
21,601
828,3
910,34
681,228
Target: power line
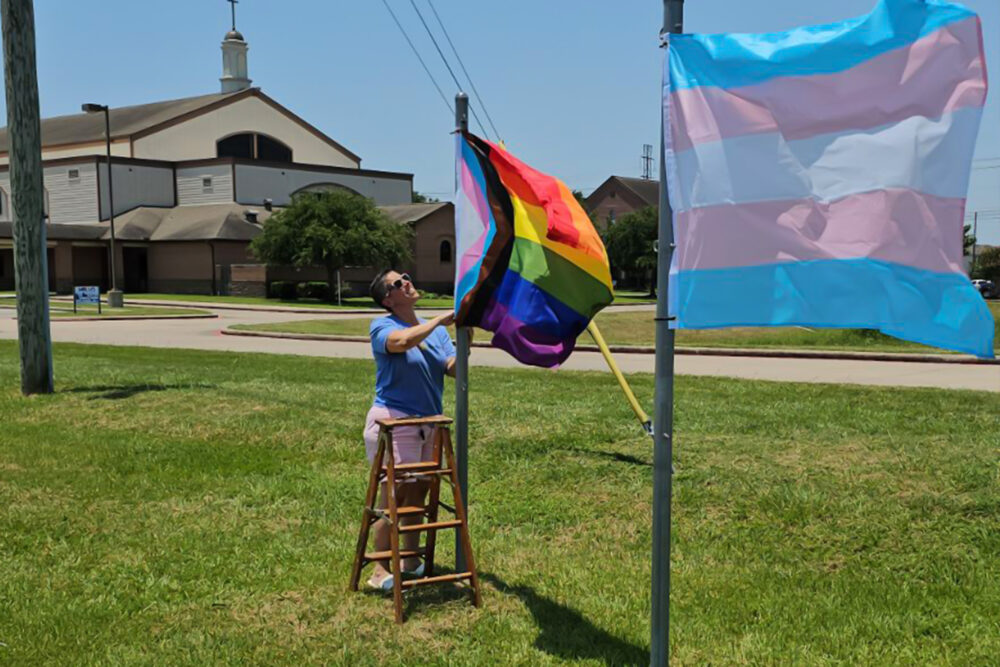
x,y
445,61
417,54
464,71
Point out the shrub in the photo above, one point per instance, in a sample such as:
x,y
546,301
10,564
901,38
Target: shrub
x,y
283,290
314,290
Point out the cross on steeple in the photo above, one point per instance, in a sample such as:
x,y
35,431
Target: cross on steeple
x,y
233,5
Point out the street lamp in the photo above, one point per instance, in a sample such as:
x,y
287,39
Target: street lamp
x,y
115,296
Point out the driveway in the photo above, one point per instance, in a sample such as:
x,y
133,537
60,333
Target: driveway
x,y
205,334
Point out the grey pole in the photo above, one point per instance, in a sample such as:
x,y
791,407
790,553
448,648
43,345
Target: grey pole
x,y
462,376
115,297
663,415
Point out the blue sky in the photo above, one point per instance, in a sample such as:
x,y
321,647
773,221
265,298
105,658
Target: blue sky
x,y
572,85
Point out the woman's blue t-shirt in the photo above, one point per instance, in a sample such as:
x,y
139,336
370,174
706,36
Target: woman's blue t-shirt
x,y
411,381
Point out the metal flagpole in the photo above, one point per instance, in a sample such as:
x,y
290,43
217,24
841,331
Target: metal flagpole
x,y
462,376
663,415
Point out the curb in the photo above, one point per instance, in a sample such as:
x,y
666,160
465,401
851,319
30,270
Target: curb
x,y
134,317
694,351
291,309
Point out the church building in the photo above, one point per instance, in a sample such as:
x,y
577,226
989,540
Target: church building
x,y
192,181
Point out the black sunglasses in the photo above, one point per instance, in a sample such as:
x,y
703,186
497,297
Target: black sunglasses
x,y
398,282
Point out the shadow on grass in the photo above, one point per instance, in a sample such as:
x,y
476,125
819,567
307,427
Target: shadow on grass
x,y
115,392
566,634
614,456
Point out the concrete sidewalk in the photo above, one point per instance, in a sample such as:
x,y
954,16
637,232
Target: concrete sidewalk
x,y
206,335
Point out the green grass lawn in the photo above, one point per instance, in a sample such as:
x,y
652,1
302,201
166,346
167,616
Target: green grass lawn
x,y
637,328
126,311
181,507
64,310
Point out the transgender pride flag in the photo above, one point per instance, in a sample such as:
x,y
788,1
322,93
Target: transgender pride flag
x,y
818,176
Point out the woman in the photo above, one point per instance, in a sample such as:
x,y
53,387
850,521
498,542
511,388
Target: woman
x,y
412,356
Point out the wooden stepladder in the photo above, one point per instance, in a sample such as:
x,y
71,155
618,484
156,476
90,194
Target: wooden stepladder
x,y
385,470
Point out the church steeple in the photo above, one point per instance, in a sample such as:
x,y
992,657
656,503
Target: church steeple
x,y
234,58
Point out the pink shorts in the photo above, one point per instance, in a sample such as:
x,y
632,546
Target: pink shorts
x,y
410,444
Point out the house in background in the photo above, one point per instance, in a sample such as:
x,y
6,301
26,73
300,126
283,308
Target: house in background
x,y
620,195
194,179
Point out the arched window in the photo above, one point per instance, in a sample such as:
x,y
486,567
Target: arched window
x,y
253,146
444,252
272,149
317,188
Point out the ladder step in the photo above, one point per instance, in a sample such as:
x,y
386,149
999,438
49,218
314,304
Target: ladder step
x,y
441,579
430,526
427,473
386,555
401,511
407,467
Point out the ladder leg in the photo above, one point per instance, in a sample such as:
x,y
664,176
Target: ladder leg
x,y
367,515
460,514
397,566
432,503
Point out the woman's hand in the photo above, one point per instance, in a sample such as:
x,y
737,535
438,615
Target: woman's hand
x,y
446,320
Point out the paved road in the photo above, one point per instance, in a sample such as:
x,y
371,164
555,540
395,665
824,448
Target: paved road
x,y
205,334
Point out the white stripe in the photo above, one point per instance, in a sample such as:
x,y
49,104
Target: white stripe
x,y
929,156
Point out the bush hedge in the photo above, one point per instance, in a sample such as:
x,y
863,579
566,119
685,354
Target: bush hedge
x,y
282,289
319,290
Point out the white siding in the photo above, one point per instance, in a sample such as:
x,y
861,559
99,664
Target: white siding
x,y
137,185
5,197
190,188
254,184
72,200
195,138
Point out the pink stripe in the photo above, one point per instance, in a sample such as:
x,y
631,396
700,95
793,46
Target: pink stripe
x,y
901,226
916,80
475,198
475,195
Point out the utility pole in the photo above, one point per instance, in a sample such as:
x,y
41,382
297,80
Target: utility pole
x,y
27,196
975,240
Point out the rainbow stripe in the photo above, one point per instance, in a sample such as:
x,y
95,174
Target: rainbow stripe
x,y
818,176
530,265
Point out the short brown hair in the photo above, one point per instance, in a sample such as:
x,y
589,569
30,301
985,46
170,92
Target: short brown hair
x,y
379,289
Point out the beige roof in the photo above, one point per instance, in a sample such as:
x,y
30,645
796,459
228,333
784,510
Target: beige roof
x,y
412,212
203,222
206,222
125,121
646,189
60,232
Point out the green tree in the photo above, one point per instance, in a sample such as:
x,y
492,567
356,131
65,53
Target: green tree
x,y
578,195
333,229
968,240
988,264
420,198
629,242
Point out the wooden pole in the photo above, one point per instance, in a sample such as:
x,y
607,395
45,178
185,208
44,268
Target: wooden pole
x,y
27,196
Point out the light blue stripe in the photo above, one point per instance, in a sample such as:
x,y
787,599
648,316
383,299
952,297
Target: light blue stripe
x,y
938,309
471,277
733,60
929,156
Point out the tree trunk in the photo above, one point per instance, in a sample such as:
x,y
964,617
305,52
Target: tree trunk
x,y
27,196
